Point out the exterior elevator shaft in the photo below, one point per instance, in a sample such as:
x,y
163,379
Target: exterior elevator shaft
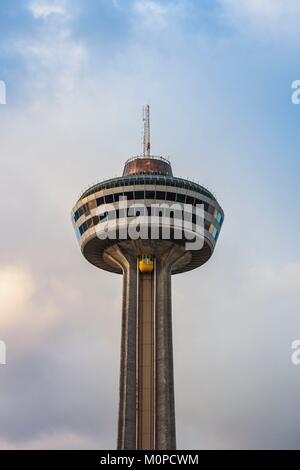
x,y
146,361
146,410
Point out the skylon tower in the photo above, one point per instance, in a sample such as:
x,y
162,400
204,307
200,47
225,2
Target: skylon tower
x,y
147,226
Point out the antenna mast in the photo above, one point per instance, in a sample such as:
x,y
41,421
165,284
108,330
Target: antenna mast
x,y
146,119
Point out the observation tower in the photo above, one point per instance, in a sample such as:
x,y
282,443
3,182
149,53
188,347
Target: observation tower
x,y
147,225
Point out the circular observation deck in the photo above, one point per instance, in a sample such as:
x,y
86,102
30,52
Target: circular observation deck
x,y
144,213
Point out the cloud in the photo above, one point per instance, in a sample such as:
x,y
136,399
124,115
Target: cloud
x,y
157,15
40,9
263,16
51,55
58,61
29,310
17,288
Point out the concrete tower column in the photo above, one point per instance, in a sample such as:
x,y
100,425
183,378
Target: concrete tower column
x,y
127,384
165,399
147,404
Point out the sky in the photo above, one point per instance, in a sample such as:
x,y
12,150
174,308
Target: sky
x,y
217,75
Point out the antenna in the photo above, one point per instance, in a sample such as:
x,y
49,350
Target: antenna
x,y
146,119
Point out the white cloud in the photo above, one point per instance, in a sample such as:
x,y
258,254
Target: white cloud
x,y
60,55
26,310
44,10
155,15
16,290
263,16
53,57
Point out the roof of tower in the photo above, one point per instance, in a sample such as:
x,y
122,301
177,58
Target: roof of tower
x,y
147,165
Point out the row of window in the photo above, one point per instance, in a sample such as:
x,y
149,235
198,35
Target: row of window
x,y
148,179
145,211
141,195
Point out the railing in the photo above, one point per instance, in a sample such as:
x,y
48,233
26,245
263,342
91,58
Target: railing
x,y
174,178
163,159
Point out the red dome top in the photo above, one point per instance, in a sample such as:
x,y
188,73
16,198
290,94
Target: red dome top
x,y
147,165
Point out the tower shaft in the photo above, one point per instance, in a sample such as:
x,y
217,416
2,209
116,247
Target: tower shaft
x,y
146,407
